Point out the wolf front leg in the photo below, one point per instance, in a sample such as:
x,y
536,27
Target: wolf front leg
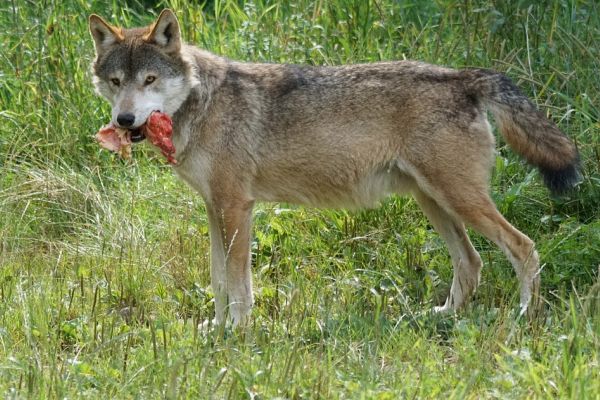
x,y
218,278
231,277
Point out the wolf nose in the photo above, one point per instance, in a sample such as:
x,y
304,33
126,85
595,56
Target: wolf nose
x,y
125,119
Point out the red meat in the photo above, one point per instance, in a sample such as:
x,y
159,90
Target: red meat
x,y
159,130
115,139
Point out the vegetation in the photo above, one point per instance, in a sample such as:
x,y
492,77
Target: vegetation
x,y
104,281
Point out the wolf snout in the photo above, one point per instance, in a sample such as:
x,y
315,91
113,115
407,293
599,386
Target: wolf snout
x,y
125,120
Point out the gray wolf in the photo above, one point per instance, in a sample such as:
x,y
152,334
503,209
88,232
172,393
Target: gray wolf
x,y
337,136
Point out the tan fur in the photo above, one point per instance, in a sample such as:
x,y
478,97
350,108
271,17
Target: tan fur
x,y
102,26
343,136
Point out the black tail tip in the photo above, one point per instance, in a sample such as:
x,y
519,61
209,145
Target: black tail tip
x,y
561,181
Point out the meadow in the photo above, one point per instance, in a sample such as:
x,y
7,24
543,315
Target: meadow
x,y
104,276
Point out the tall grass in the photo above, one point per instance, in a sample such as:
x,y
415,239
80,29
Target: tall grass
x,y
104,264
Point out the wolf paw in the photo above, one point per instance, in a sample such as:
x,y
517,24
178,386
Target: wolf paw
x,y
212,325
445,309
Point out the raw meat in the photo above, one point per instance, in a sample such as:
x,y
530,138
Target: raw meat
x,y
158,129
115,139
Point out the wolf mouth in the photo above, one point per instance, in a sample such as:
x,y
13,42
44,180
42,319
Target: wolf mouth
x,y
137,135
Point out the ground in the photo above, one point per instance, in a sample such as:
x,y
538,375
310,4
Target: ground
x,y
104,263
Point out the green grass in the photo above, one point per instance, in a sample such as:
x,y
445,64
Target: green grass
x,y
104,263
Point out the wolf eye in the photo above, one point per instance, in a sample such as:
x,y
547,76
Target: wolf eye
x,y
149,79
115,81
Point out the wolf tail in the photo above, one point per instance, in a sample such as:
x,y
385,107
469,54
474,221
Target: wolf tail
x,y
528,131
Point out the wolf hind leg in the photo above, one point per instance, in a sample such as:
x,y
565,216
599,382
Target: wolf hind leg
x,y
465,259
476,209
518,248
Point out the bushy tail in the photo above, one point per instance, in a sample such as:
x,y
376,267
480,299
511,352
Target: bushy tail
x,y
528,131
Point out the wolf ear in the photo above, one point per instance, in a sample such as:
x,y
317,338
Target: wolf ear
x,y
104,34
165,32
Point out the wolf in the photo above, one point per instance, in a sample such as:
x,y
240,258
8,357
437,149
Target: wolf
x,y
330,136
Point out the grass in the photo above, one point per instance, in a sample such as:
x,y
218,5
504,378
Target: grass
x,y
104,263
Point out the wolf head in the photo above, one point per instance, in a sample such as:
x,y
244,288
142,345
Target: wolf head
x,y
140,70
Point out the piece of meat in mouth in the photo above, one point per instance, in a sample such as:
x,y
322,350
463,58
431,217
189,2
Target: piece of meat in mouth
x,y
158,128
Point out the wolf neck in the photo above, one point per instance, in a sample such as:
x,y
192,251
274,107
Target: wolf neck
x,y
205,73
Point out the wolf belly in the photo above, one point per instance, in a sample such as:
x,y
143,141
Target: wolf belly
x,y
359,189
